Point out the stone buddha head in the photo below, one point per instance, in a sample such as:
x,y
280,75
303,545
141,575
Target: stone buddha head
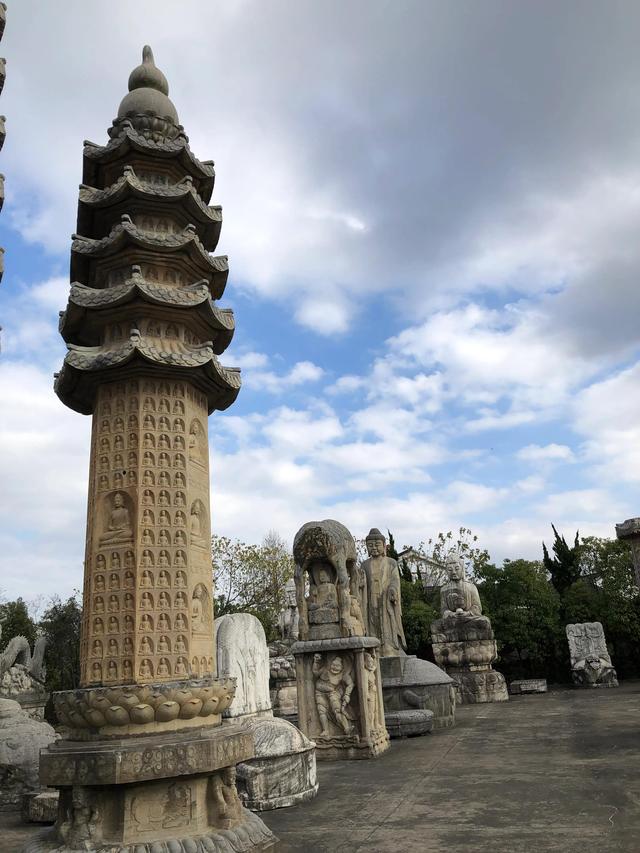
x,y
454,566
375,543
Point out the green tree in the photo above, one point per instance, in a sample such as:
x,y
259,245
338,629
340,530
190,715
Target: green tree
x,y
419,609
16,622
606,592
60,624
524,609
564,566
464,542
251,578
403,567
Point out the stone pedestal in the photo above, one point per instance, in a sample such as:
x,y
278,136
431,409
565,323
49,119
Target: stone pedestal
x,y
340,704
410,684
468,662
154,793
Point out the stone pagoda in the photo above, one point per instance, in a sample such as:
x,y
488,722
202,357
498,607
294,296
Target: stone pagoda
x,y
148,763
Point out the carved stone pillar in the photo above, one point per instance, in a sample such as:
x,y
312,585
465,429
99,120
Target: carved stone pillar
x,y
148,764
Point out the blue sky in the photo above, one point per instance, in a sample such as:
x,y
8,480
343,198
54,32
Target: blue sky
x,y
431,213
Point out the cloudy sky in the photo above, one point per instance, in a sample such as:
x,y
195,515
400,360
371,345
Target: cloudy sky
x,y
432,213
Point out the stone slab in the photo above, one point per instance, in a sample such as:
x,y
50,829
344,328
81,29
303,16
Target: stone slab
x,y
528,685
115,762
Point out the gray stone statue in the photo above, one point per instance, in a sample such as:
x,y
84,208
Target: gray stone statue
x,y
463,641
288,616
460,606
591,664
22,674
384,607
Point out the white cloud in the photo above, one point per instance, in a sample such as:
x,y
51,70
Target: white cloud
x,y
547,453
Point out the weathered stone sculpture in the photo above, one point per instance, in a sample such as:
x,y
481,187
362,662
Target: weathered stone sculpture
x,y
591,664
463,641
22,675
288,617
21,739
282,682
148,764
283,771
418,695
337,665
629,530
384,608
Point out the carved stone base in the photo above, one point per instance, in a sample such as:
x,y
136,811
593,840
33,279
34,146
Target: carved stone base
x,y
248,836
410,683
465,654
408,723
474,687
152,793
340,697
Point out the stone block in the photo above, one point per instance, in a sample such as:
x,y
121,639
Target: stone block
x,y
40,807
283,773
410,683
528,685
408,723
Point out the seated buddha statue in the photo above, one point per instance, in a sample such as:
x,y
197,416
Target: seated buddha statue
x,y
460,607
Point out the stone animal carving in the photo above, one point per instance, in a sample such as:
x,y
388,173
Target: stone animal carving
x,y
319,545
18,652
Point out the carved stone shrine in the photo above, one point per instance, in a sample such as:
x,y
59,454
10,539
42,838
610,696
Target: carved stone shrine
x,y
337,666
148,764
591,664
463,640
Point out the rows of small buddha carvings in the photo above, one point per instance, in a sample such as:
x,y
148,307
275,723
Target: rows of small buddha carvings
x,y
164,539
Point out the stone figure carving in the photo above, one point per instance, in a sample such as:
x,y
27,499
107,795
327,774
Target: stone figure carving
x,y
384,606
325,552
463,641
288,616
591,664
226,797
371,685
334,685
119,528
460,606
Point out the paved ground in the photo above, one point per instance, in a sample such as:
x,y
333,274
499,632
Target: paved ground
x,y
558,772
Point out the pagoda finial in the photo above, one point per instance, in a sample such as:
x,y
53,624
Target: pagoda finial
x,y
147,106
147,75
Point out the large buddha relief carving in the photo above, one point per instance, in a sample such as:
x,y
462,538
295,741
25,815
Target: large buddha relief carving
x,y
116,517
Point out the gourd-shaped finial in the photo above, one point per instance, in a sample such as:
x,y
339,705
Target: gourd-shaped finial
x,y
147,76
